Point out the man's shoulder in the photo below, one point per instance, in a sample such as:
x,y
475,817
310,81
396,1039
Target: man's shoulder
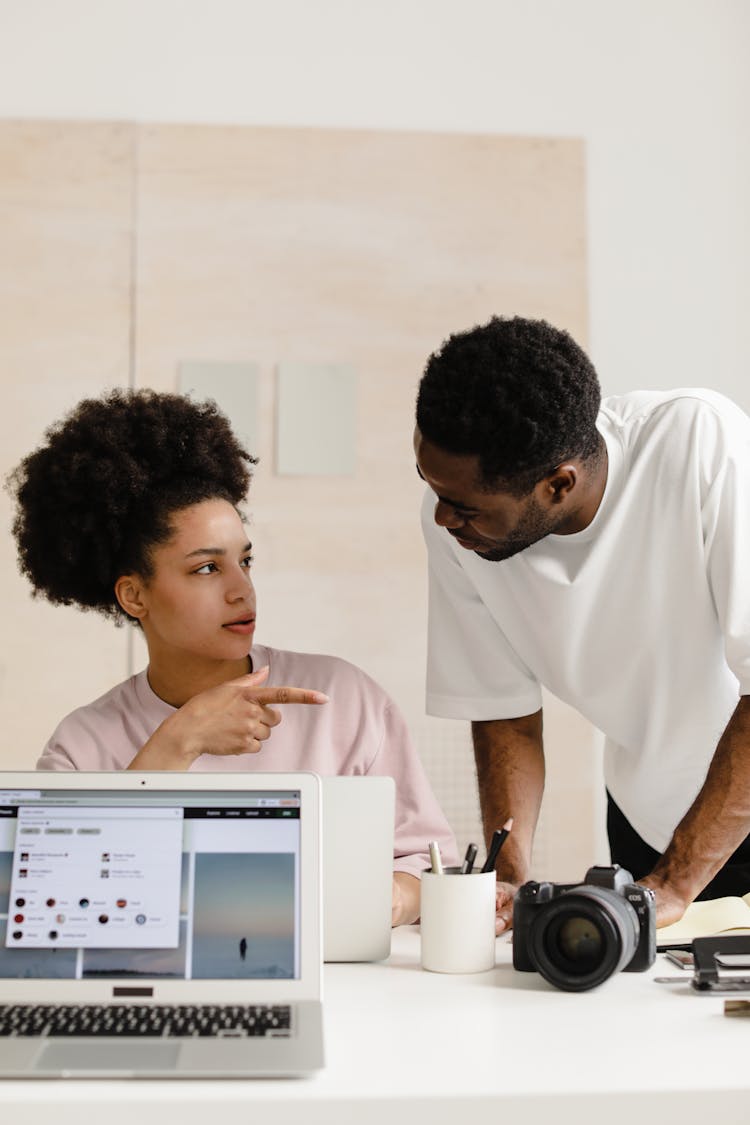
x,y
688,433
686,403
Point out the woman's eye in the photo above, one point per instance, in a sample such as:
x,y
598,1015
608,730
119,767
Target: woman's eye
x,y
247,561
207,568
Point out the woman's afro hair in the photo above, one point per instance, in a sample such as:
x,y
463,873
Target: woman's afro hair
x,y
519,394
98,494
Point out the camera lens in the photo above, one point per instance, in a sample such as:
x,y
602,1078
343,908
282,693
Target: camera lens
x,y
581,938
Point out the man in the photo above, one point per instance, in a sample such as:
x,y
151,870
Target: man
x,y
600,550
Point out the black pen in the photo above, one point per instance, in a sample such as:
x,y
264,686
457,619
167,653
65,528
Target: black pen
x,y
499,837
468,863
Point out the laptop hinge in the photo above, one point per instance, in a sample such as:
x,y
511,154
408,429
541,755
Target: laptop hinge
x,y
132,992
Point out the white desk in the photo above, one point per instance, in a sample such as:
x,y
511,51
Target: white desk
x,y
406,1046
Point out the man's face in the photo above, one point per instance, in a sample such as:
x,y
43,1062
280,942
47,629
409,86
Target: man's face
x,y
495,525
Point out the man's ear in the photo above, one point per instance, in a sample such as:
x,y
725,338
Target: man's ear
x,y
129,593
561,482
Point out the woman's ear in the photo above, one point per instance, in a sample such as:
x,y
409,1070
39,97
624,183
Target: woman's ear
x,y
129,593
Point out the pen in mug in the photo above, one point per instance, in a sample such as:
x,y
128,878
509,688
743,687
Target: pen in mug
x,y
468,863
499,837
435,858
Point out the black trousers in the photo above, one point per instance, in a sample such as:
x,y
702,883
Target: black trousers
x,y
630,851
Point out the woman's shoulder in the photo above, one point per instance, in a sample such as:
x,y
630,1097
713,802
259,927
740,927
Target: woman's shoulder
x,y
118,699
90,735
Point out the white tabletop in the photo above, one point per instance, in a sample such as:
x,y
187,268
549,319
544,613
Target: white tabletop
x,y
404,1045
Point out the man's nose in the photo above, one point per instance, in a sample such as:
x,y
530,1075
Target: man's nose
x,y
447,516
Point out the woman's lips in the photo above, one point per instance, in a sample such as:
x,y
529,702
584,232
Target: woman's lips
x,y
244,628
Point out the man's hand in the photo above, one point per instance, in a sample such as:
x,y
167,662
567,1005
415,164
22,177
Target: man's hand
x,y
233,718
670,906
504,893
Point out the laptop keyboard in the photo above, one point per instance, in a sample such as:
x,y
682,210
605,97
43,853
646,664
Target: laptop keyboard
x,y
145,1020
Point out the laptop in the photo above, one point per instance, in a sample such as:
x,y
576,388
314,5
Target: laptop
x,y
358,827
160,925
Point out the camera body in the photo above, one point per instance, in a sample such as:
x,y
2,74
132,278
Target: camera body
x,y
577,934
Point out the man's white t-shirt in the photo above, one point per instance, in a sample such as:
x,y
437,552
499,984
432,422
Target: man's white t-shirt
x,y
641,621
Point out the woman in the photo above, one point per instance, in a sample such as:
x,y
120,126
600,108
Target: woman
x,y
129,508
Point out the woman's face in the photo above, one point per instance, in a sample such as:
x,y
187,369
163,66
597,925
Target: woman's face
x,y
200,600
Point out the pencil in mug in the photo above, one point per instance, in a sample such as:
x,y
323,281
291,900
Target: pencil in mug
x,y
499,836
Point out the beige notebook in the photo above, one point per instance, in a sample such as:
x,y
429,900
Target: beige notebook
x,y
716,916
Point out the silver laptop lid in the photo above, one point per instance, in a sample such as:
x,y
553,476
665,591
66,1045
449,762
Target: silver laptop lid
x,y
172,887
358,829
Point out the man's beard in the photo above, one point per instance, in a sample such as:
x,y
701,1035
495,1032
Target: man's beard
x,y
535,524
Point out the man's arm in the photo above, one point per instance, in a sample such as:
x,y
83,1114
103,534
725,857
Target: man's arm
x,y
715,824
509,758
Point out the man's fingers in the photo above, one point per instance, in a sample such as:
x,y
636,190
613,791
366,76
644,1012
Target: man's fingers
x,y
287,695
503,915
504,894
503,921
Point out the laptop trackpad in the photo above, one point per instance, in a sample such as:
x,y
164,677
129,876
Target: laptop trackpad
x,y
109,1056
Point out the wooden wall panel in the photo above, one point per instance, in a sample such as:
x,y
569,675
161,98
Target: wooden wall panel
x,y
125,250
366,248
65,294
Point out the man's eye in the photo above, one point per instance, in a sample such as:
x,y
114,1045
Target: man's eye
x,y
247,561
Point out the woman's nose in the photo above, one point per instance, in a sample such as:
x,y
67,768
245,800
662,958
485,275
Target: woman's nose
x,y
238,585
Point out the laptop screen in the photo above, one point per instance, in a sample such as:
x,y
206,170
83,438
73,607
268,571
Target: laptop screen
x,y
170,884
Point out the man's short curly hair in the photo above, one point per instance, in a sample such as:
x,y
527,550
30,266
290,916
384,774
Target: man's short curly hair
x,y
519,394
98,495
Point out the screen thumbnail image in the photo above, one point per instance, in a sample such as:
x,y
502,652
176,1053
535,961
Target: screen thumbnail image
x,y
45,964
243,915
6,870
137,962
55,962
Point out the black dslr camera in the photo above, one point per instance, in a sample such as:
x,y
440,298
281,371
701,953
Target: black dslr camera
x,y
578,935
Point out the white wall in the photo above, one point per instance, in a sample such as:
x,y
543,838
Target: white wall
x,y
659,89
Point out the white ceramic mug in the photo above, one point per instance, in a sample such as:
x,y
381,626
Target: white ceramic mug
x,y
458,921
